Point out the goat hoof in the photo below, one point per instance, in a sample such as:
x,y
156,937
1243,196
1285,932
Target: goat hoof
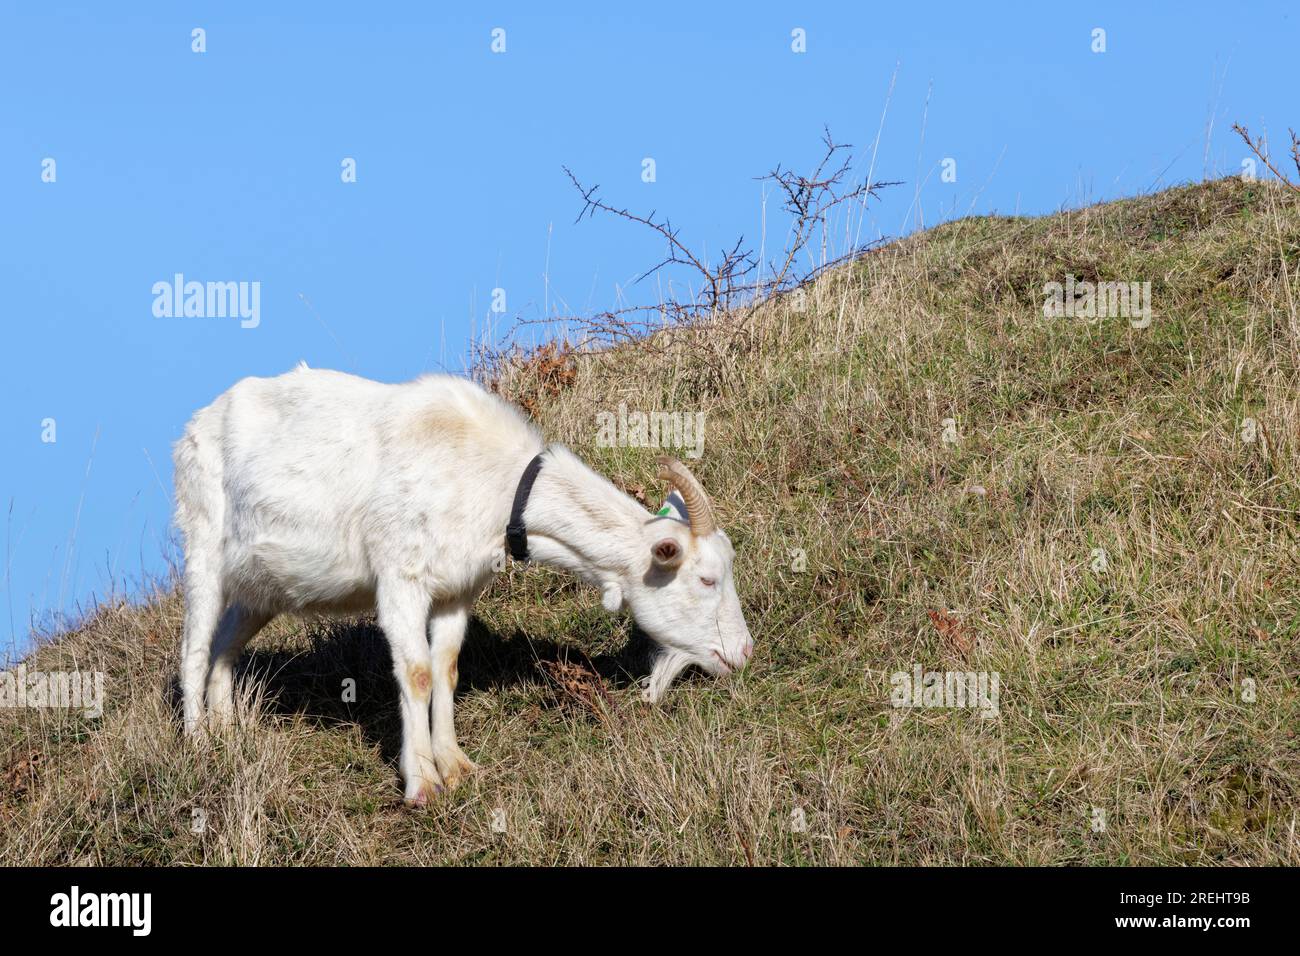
x,y
219,720
453,766
423,794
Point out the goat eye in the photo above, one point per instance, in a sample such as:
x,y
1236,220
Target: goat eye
x,y
708,582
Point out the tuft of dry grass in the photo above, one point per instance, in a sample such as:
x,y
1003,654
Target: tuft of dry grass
x,y
1148,709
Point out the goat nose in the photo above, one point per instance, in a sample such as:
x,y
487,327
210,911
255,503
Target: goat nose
x,y
749,649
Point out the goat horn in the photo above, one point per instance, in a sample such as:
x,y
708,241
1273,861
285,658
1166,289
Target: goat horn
x,y
698,508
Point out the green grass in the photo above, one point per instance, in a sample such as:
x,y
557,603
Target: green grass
x,y
1125,693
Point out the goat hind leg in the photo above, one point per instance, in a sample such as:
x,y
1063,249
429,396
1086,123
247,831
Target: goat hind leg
x,y
203,603
238,626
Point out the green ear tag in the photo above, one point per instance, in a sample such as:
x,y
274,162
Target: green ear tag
x,y
663,512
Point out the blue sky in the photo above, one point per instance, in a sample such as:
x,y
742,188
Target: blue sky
x,y
226,166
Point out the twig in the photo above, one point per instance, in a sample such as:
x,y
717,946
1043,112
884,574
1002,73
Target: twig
x,y
1260,149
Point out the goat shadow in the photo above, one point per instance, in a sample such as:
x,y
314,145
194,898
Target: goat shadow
x,y
313,683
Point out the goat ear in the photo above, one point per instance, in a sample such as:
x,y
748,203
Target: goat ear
x,y
611,597
673,507
667,553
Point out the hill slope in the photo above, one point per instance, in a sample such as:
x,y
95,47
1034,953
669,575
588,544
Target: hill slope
x,y
1148,695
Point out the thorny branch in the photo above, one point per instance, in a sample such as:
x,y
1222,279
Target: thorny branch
x,y
1260,148
737,280
737,285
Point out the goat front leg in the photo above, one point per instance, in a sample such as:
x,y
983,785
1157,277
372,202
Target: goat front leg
x,y
446,632
402,610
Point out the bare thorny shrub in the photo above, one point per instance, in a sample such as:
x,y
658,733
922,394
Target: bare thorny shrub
x,y
1259,146
714,321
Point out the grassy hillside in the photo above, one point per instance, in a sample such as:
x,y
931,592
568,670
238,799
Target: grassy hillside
x,y
1148,711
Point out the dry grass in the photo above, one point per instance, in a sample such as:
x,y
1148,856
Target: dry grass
x,y
866,544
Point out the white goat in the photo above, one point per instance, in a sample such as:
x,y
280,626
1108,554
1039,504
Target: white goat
x,y
320,491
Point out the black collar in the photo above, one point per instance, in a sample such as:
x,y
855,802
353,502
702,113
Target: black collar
x,y
516,532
